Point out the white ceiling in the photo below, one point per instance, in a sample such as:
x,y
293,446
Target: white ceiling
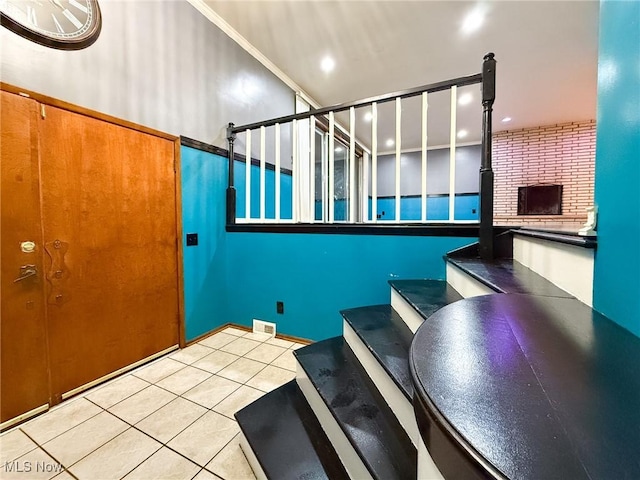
x,y
546,53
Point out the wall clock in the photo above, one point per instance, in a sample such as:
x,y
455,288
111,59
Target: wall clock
x,y
62,24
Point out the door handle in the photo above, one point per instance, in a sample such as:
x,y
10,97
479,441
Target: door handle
x,y
26,271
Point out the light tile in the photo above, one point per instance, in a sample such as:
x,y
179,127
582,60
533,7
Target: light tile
x,y
216,361
286,361
165,464
80,441
231,462
258,336
117,390
34,465
14,444
191,354
265,353
183,380
240,346
212,391
116,458
204,438
158,370
217,340
270,378
296,346
171,419
279,342
241,370
60,419
206,475
142,404
238,332
237,401
63,476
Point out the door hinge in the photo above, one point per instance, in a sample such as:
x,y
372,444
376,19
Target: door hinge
x,y
43,112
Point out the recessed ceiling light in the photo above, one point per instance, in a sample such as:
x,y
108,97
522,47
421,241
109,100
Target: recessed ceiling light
x,y
390,143
462,133
473,21
368,116
506,119
327,64
465,99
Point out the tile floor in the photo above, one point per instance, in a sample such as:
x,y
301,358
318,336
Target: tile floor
x,y
169,419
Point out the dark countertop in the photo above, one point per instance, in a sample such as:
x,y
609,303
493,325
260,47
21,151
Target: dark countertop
x,y
530,387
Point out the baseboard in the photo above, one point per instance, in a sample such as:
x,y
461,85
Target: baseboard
x,y
281,336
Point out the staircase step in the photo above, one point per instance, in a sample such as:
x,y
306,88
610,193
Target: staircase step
x,y
381,341
388,339
417,300
286,437
508,276
353,413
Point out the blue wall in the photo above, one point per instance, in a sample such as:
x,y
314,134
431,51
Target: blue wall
x,y
617,178
465,207
235,277
316,275
204,182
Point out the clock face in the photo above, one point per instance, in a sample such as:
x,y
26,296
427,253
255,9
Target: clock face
x,y
63,24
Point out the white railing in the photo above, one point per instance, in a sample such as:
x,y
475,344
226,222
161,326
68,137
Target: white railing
x,y
288,186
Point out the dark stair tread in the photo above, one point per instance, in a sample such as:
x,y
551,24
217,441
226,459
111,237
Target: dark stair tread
x,y
426,296
359,409
388,338
508,276
287,438
567,236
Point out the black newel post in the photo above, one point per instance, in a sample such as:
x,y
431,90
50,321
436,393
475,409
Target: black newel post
x,y
486,173
231,191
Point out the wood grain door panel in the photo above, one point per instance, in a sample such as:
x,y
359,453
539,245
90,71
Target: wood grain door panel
x,y
108,193
24,376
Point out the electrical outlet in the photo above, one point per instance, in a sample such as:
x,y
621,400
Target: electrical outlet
x,y
279,307
260,326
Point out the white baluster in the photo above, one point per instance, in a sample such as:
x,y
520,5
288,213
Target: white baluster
x,y
425,107
398,149
263,167
277,173
331,166
452,154
374,162
247,197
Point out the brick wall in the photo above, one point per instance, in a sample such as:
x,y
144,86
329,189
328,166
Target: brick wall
x,y
554,154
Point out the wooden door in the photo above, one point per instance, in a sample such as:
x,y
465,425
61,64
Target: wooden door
x,y
109,222
24,379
